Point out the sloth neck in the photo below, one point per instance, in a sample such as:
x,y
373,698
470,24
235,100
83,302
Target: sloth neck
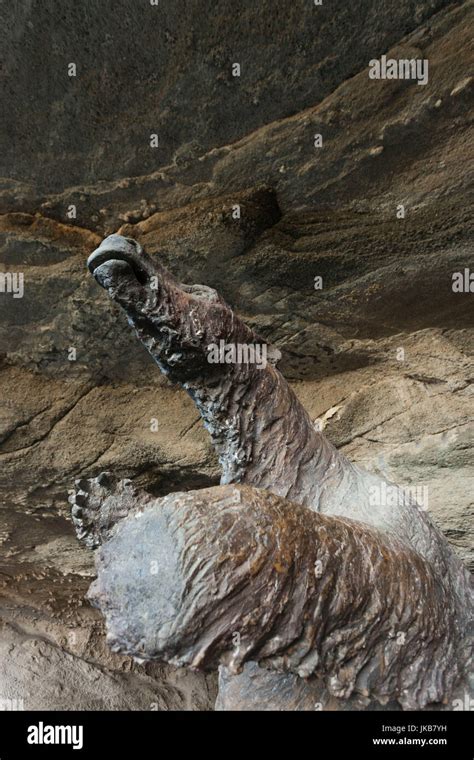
x,y
262,434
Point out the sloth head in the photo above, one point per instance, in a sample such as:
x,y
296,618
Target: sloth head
x,y
177,323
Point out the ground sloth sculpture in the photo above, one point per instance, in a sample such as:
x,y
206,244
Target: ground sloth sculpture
x,y
307,593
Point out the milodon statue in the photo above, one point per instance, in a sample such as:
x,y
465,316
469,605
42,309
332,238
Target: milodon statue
x,y
290,578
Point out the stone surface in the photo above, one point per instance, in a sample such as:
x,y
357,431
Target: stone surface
x,y
40,675
171,66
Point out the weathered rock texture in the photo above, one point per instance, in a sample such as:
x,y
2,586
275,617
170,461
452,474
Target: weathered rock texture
x,y
171,59
329,212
